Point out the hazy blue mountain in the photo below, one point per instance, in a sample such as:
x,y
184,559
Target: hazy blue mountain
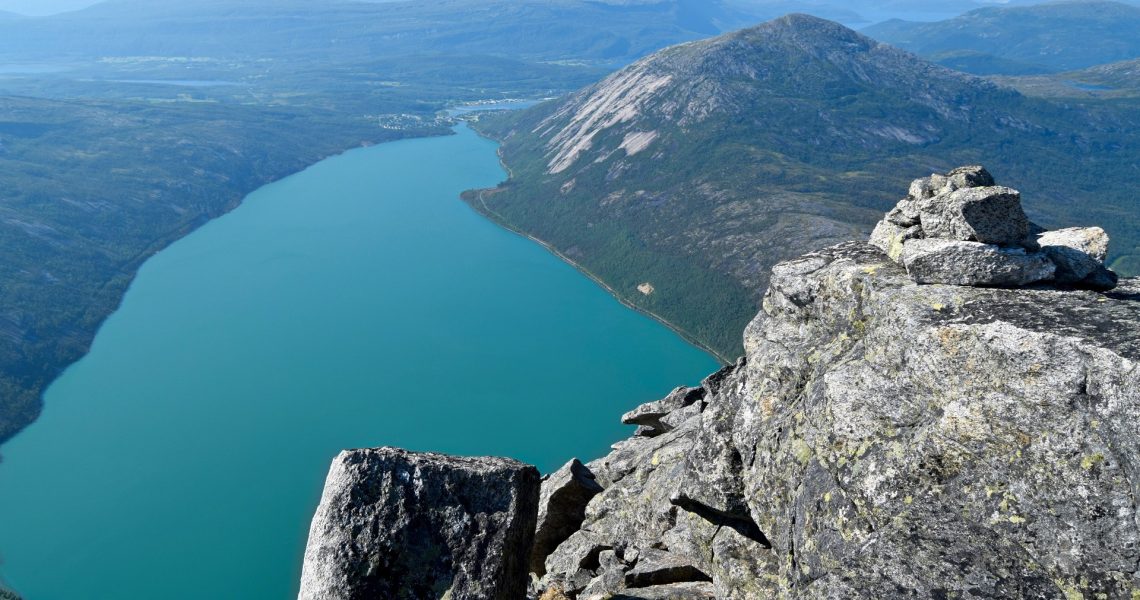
x,y
699,167
860,13
1052,37
534,29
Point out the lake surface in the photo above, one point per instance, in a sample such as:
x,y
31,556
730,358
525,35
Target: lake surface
x,y
358,303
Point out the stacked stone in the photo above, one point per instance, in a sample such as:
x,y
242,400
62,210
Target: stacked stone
x,y
962,229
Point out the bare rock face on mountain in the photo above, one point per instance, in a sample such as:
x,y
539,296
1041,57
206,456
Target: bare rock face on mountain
x,y
890,438
961,229
399,525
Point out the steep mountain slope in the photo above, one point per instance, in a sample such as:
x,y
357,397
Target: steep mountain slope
x,y
680,180
1053,37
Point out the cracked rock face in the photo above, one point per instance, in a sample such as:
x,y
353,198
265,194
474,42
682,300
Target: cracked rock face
x,y
961,229
401,525
885,439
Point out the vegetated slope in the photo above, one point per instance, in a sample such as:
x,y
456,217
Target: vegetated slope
x,y
698,168
89,190
536,29
1023,40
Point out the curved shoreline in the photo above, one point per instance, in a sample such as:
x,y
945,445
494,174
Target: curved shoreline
x,y
502,222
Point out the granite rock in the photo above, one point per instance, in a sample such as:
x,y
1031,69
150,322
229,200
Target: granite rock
x,y
991,215
886,439
972,263
1078,252
561,509
401,525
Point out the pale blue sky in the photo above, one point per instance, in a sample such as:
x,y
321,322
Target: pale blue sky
x,y
43,7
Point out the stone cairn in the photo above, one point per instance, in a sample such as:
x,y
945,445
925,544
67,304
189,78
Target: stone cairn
x,y
962,229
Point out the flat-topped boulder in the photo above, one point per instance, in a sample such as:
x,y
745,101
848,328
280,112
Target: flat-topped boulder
x,y
973,263
962,229
400,525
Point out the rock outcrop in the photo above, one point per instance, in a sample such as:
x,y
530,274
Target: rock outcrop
x,y
961,229
886,439
400,525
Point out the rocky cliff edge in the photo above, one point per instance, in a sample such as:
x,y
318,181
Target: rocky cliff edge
x,y
885,438
882,438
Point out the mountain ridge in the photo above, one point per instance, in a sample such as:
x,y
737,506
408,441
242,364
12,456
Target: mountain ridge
x,y
697,168
1049,37
528,28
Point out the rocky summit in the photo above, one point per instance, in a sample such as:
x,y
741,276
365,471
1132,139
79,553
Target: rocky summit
x,y
886,435
882,439
961,229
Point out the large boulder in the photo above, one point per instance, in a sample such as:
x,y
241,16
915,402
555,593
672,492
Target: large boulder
x,y
1091,241
400,525
1079,253
972,263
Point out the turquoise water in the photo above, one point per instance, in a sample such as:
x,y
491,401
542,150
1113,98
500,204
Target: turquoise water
x,y
358,303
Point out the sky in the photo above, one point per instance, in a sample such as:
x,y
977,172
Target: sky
x,y
43,7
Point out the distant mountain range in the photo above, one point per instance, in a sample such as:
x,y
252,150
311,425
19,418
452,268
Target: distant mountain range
x,y
1023,40
346,30
698,168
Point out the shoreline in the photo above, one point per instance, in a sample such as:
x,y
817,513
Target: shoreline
x,y
496,218
499,220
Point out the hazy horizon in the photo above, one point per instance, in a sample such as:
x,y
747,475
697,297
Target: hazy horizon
x,y
39,8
